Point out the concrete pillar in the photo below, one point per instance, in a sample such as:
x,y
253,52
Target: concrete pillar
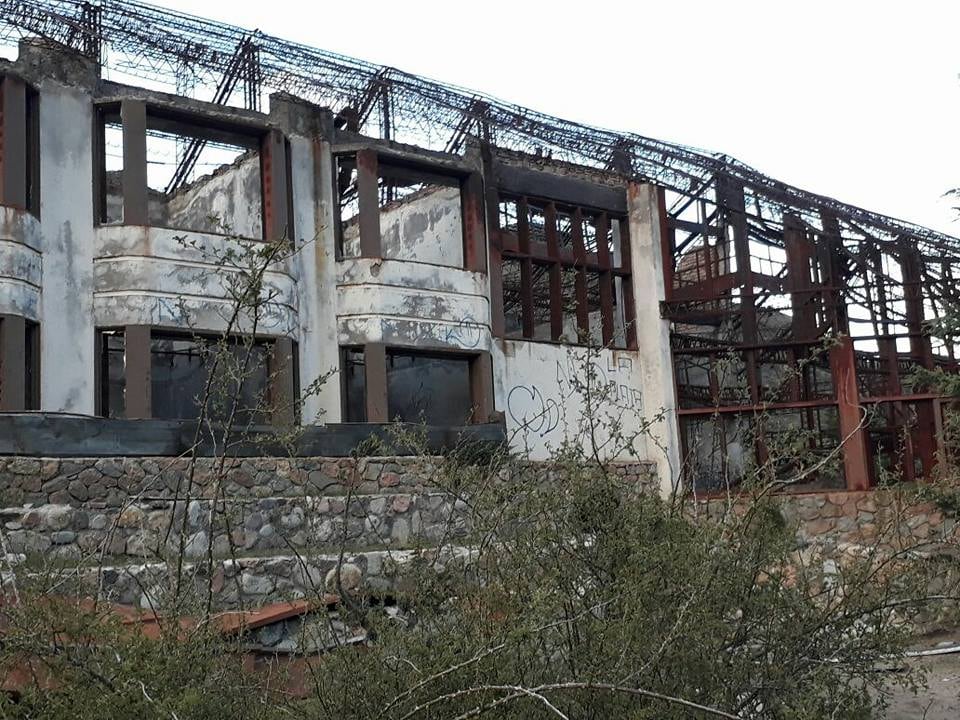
x,y
66,221
653,332
314,220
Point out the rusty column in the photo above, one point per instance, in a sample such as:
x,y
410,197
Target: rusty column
x,y
133,114
368,196
375,377
139,392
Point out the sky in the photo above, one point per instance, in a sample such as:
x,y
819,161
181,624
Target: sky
x,y
857,100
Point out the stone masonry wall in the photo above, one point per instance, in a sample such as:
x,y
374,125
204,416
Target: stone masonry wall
x,y
69,509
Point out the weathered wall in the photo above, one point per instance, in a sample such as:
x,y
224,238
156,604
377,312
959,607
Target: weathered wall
x,y
412,305
231,196
20,263
425,227
66,211
543,390
174,278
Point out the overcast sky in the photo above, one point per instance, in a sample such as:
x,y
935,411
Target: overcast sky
x,y
858,100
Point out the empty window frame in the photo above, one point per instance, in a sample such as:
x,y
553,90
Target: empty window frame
x,y
19,145
432,388
403,212
249,373
565,273
19,364
189,173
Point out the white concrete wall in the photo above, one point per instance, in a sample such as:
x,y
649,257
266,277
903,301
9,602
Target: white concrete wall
x,y
545,390
66,212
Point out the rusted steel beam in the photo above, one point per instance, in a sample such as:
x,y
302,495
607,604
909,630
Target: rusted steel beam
x,y
580,257
526,268
481,388
368,197
282,383
629,307
474,236
375,379
556,271
133,115
853,434
273,173
606,280
139,391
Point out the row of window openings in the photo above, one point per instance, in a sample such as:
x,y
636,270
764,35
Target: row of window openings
x,y
243,387
421,387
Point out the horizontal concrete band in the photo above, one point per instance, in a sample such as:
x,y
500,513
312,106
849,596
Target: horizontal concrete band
x,y
56,435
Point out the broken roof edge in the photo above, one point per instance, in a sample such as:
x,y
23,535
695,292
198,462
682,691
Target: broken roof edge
x,y
207,47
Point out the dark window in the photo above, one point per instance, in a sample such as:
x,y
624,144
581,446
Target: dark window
x,y
354,386
180,368
431,389
31,381
565,273
112,374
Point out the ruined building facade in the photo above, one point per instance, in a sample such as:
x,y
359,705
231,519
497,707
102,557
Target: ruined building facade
x,y
455,286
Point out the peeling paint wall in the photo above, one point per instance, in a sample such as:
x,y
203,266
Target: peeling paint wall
x,y
171,278
425,227
412,305
230,197
66,211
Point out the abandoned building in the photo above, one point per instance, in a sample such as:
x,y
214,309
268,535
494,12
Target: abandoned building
x,y
454,257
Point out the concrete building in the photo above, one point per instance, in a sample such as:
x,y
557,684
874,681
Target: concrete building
x,y
448,259
448,288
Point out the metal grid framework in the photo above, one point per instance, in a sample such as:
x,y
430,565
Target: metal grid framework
x,y
786,306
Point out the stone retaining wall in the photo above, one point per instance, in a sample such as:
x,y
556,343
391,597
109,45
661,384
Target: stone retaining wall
x,y
112,482
842,520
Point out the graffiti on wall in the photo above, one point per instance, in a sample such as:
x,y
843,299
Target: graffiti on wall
x,y
539,407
